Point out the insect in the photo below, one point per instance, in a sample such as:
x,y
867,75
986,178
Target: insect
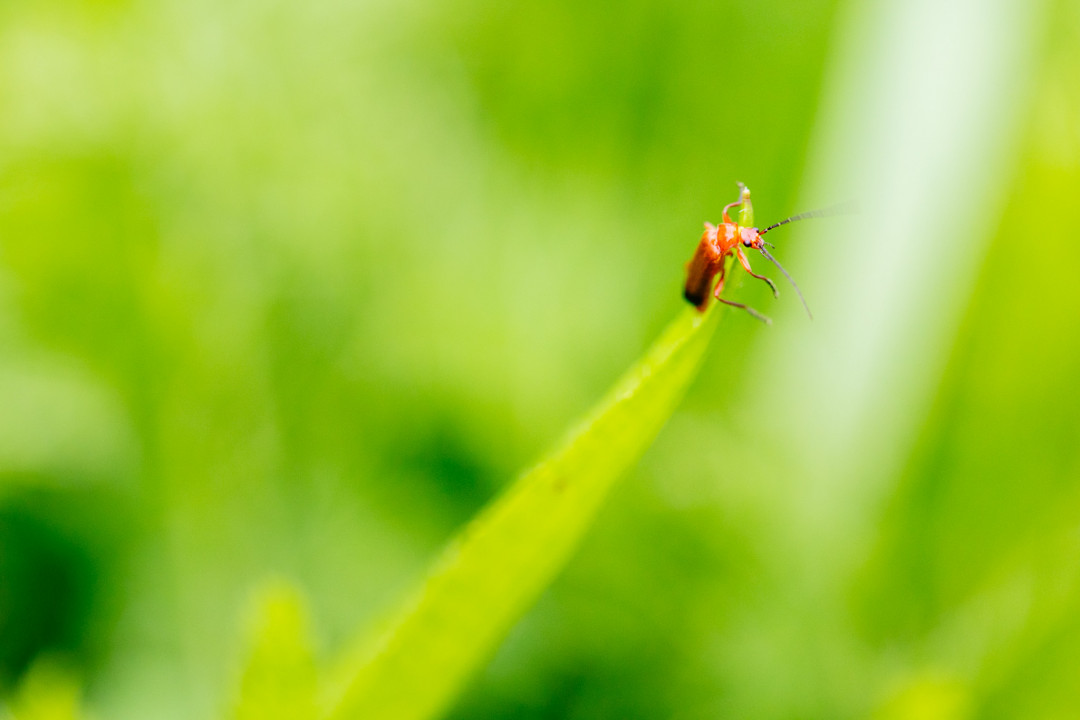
x,y
719,243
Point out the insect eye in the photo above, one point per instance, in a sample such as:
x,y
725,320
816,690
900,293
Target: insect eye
x,y
747,242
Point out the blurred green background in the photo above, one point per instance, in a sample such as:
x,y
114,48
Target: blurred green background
x,y
291,289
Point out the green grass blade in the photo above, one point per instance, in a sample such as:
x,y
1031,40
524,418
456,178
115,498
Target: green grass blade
x,y
494,570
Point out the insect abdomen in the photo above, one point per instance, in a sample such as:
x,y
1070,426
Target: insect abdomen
x,y
699,275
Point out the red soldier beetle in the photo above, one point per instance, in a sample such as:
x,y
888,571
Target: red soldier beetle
x,y
724,242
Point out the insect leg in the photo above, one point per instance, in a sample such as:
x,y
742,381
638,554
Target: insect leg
x,y
748,309
732,303
746,264
719,285
727,218
742,198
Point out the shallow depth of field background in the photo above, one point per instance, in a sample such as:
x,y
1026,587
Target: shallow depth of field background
x,y
291,289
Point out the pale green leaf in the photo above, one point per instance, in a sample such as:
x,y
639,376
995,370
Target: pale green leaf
x,y
50,690
279,677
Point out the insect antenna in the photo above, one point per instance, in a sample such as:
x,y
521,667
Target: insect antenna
x,y
793,284
843,209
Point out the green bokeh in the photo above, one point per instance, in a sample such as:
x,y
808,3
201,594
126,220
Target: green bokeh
x,y
290,290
